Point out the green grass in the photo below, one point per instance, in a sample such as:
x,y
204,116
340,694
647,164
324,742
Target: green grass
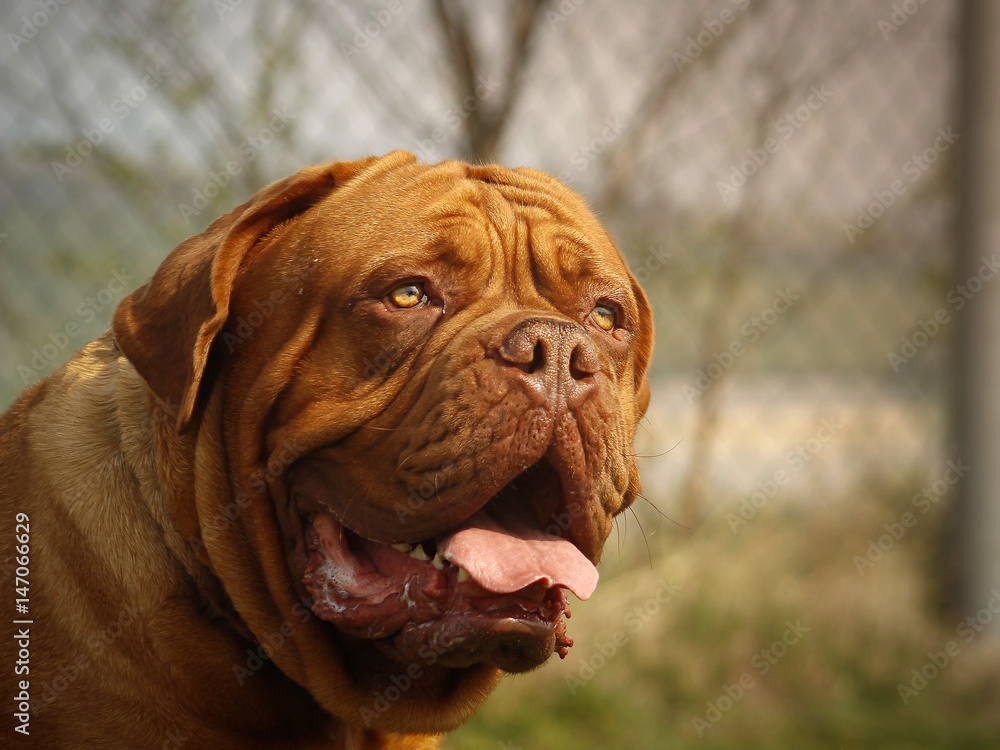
x,y
836,687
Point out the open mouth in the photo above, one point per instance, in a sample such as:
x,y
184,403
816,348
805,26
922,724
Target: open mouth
x,y
492,589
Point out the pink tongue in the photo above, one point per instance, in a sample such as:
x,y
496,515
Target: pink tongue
x,y
506,557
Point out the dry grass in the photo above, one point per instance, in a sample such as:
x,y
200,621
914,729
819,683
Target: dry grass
x,y
734,595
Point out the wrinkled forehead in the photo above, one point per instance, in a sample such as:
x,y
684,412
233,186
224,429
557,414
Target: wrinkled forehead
x,y
457,214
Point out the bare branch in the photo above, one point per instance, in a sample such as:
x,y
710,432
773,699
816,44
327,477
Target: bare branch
x,y
484,125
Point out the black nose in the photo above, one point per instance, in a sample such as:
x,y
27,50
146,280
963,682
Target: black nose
x,y
554,359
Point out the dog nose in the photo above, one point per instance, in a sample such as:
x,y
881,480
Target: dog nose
x,y
553,359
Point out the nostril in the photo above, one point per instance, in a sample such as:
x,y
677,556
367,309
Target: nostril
x,y
551,361
537,359
582,363
526,353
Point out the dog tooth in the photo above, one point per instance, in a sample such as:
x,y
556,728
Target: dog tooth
x,y
463,575
419,554
404,547
438,562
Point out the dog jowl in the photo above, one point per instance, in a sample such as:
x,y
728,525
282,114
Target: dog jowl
x,y
351,528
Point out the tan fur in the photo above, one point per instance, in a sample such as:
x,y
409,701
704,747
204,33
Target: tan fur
x,y
157,571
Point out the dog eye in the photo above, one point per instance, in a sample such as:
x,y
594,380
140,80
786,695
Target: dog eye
x,y
604,317
406,296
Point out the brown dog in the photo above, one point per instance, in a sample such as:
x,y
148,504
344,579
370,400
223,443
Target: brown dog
x,y
332,470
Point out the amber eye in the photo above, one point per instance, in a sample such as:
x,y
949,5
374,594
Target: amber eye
x,y
604,316
408,295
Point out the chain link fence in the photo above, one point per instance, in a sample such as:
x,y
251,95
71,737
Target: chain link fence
x,y
779,176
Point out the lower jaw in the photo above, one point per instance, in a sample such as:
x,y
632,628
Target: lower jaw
x,y
426,620
513,644
511,638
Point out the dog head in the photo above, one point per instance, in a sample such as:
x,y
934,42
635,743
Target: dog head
x,y
418,386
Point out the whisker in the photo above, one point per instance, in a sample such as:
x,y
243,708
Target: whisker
x,y
400,465
660,512
657,455
622,537
644,423
347,507
649,554
618,536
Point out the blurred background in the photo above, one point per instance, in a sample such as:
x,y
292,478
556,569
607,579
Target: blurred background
x,y
807,192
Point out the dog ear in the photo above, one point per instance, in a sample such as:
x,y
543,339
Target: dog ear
x,y
166,327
